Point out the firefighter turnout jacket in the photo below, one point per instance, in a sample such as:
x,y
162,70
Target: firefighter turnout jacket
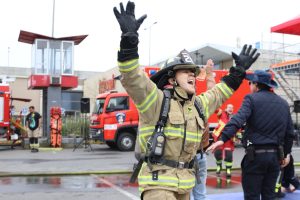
x,y
183,130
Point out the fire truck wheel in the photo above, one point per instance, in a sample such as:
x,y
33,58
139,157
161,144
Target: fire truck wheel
x,y
111,144
126,142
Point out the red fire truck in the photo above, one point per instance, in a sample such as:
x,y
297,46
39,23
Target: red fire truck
x,y
4,108
7,123
115,118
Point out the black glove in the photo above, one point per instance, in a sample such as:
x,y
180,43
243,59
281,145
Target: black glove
x,y
235,77
129,25
246,57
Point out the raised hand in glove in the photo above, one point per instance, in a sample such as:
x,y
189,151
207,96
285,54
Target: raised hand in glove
x,y
129,25
246,57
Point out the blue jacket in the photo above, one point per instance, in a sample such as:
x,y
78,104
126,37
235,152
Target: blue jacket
x,y
268,121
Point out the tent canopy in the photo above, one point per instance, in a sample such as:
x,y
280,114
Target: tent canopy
x,y
290,27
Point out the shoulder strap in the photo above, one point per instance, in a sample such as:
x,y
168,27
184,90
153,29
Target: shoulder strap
x,y
164,111
199,110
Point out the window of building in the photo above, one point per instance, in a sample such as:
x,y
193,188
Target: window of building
x,y
55,57
41,57
67,57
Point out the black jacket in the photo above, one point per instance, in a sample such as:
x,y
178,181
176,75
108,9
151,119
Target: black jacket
x,y
268,121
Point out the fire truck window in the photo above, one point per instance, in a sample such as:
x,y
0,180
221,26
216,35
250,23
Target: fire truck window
x,y
118,103
1,108
99,106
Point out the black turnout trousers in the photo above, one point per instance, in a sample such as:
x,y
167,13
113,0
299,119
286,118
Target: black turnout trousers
x,y
259,176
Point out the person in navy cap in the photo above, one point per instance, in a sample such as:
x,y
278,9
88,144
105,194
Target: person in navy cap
x,y
267,139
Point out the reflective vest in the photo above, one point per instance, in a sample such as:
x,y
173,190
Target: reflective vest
x,y
224,118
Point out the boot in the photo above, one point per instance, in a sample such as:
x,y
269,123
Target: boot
x,y
280,194
228,172
219,169
228,166
219,182
228,182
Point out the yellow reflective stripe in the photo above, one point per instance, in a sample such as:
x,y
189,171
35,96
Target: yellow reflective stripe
x,y
217,132
128,65
179,132
169,131
189,183
142,142
147,128
205,102
172,179
149,100
152,93
192,134
173,128
225,89
195,137
228,89
143,133
172,131
141,190
228,164
162,180
206,109
219,162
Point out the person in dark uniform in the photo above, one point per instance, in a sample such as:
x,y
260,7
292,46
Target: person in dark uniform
x,y
267,139
33,125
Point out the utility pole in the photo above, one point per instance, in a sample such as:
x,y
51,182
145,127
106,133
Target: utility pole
x,y
8,51
53,14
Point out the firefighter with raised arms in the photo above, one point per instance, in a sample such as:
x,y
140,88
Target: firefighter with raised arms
x,y
172,117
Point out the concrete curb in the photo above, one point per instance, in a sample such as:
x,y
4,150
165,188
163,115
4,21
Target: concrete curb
x,y
104,172
50,149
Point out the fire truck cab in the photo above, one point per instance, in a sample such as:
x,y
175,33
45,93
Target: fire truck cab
x,y
115,120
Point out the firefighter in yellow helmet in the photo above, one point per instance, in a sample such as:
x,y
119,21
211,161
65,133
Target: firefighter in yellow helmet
x,y
169,142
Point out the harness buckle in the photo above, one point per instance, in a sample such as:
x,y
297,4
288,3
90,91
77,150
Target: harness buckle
x,y
180,165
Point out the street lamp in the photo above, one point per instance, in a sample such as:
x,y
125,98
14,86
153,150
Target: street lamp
x,y
149,28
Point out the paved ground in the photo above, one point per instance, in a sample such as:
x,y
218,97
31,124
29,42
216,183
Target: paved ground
x,y
21,161
18,167
103,187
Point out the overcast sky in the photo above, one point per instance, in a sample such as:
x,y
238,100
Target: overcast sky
x,y
180,24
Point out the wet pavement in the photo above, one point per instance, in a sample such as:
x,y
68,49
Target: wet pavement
x,y
106,187
19,169
102,187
